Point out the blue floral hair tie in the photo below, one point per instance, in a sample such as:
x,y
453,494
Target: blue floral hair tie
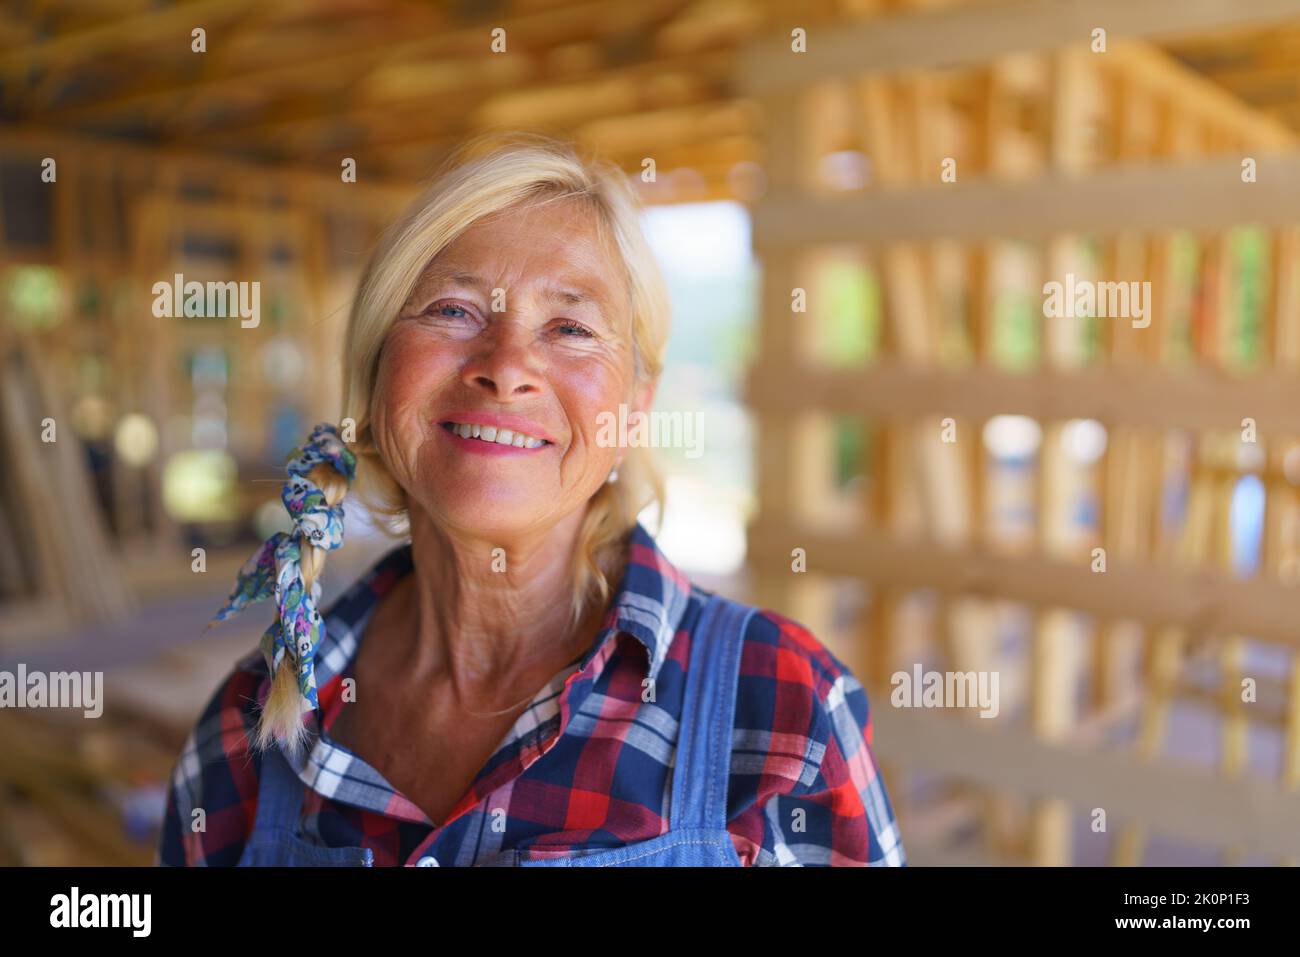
x,y
275,570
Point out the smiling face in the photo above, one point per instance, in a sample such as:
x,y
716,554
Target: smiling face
x,y
488,419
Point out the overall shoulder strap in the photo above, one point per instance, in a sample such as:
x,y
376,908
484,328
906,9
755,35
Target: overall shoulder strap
x,y
279,793
703,763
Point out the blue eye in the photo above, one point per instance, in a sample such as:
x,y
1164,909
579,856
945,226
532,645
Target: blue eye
x,y
440,309
578,328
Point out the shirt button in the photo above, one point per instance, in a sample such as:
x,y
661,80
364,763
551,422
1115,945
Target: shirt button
x,y
427,861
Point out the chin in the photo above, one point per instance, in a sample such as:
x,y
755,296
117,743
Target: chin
x,y
490,510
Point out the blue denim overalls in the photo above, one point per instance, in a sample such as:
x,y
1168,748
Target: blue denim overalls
x,y
275,841
697,834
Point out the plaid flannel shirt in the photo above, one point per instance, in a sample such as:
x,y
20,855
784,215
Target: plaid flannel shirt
x,y
587,765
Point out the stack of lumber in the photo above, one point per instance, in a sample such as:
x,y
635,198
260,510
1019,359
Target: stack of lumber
x,y
53,543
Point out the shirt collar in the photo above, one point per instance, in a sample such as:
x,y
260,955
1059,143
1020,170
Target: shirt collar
x,y
649,605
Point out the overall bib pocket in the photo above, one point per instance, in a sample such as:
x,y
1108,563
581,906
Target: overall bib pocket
x,y
275,841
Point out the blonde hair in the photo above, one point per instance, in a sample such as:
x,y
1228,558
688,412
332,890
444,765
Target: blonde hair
x,y
281,716
491,173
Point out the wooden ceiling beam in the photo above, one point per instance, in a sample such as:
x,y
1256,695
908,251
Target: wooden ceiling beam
x,y
1241,80
709,183
1151,197
1162,75
691,124
979,32
529,31
722,152
14,31
223,55
133,31
37,142
1288,113
643,132
1220,45
712,67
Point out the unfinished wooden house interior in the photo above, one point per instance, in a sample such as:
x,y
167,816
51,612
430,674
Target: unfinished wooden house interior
x,y
1015,375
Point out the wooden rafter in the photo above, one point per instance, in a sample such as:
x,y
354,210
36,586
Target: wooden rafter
x,y
347,63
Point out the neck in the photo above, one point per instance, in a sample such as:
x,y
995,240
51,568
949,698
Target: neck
x,y
492,619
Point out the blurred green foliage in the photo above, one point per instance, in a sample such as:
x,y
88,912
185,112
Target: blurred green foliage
x,y
34,297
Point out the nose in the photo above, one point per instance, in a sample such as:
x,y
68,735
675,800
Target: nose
x,y
506,367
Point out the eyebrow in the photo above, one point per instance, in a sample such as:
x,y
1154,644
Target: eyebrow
x,y
569,295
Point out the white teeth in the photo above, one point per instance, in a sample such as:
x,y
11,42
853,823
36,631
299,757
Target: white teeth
x,y
490,433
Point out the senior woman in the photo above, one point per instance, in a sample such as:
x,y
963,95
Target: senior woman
x,y
526,679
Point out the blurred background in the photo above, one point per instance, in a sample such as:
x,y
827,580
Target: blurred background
x,y
857,204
